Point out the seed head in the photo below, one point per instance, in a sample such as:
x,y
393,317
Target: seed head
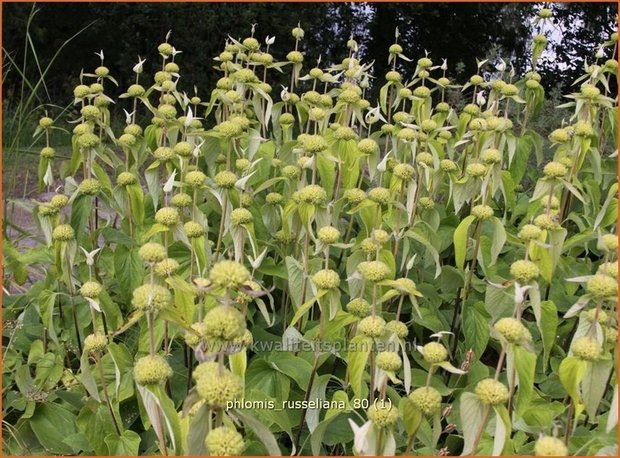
x,y
133,129
136,90
382,414
311,194
229,274
482,212
397,327
244,75
224,323
163,154
550,446
434,353
554,170
328,235
586,348
152,252
241,216
126,179
422,92
90,187
367,146
471,109
59,201
165,49
395,49
95,343
166,268
602,286
295,57
532,84
345,133
228,129
510,90
218,389
284,237
442,107
447,165
389,361
224,441
404,171
529,232
326,279
476,170
491,156
193,229
63,233
225,179
583,129
91,289
90,112
540,39
47,210
379,195
374,271
48,152
195,179
274,198
151,298
314,143
426,202
88,140
476,80
512,330
524,271
167,216
354,195
167,111
45,122
181,200
610,242
425,62
427,400
151,370
358,307
393,76
589,315
407,134
183,149
546,13
609,268
81,91
477,124
286,119
611,335
127,140
349,96
371,326
545,221
380,236
424,159
491,392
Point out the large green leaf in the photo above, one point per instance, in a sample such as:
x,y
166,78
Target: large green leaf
x,y
471,415
357,358
127,444
460,239
262,433
51,423
525,365
594,386
572,371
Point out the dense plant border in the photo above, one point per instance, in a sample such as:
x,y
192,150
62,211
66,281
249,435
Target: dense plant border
x,y
321,274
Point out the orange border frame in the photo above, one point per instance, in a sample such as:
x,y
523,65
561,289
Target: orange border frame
x,y
265,1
